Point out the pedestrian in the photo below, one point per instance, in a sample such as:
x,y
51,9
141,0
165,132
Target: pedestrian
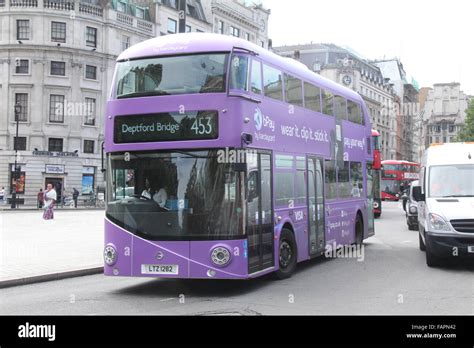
x,y
40,197
75,195
50,198
2,195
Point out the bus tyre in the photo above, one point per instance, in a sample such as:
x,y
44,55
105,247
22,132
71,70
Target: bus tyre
x,y
422,244
287,254
359,230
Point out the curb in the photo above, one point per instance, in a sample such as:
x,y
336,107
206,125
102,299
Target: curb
x,y
50,277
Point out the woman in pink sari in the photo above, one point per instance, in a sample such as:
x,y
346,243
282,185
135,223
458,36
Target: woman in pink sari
x,y
50,198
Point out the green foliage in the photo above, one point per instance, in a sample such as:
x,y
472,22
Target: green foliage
x,y
467,133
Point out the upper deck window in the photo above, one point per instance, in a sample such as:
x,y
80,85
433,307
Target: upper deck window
x,y
293,90
340,107
312,97
328,103
186,74
256,83
354,113
272,82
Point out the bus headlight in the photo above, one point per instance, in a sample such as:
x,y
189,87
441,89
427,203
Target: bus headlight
x,y
220,256
376,205
413,209
438,224
110,255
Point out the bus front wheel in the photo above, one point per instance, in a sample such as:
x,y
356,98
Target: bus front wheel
x,y
287,254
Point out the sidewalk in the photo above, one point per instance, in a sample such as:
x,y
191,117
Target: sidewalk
x,y
33,250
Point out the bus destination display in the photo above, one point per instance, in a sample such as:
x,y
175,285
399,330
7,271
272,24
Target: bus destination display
x,y
191,125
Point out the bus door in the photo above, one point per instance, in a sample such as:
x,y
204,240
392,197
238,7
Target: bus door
x,y
259,212
315,205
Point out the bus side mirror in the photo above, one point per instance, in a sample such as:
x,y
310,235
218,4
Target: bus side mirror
x,y
417,195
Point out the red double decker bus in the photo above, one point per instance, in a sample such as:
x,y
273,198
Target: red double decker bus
x,y
395,175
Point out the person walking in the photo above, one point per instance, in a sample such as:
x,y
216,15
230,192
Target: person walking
x,y
40,198
75,195
2,195
50,198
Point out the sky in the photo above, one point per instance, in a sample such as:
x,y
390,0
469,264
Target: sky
x,y
434,39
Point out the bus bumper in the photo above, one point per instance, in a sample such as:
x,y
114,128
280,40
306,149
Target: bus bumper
x,y
137,257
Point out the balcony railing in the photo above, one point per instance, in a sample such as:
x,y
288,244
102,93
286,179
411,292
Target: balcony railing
x,y
125,19
145,26
22,3
91,9
63,5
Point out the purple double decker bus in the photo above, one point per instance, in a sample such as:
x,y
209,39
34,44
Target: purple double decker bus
x,y
226,161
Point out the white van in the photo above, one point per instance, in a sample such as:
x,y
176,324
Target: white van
x,y
446,202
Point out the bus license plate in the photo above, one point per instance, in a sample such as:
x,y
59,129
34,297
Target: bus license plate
x,y
470,249
159,269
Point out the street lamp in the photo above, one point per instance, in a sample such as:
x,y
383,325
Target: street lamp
x,y
15,147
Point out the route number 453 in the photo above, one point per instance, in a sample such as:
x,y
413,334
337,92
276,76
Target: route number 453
x,y
202,126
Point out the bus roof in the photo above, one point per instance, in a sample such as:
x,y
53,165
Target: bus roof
x,y
188,43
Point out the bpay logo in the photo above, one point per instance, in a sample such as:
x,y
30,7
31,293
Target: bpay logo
x,y
258,118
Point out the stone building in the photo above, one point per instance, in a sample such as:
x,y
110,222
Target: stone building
x,y
444,113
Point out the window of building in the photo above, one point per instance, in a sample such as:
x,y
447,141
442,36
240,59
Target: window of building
x,y
188,28
354,113
220,27
125,42
171,26
312,97
340,107
121,7
22,66
262,43
451,129
19,143
89,146
56,108
58,68
139,12
22,100
293,90
199,31
328,102
55,144
89,119
23,29
247,36
272,82
234,31
58,32
91,37
91,72
191,10
256,80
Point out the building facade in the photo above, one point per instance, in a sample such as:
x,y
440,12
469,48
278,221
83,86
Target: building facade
x,y
444,113
406,111
57,60
345,67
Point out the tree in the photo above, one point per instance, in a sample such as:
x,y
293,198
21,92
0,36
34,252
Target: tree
x,y
467,133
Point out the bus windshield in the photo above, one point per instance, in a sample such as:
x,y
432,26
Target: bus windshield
x,y
185,74
452,181
175,195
